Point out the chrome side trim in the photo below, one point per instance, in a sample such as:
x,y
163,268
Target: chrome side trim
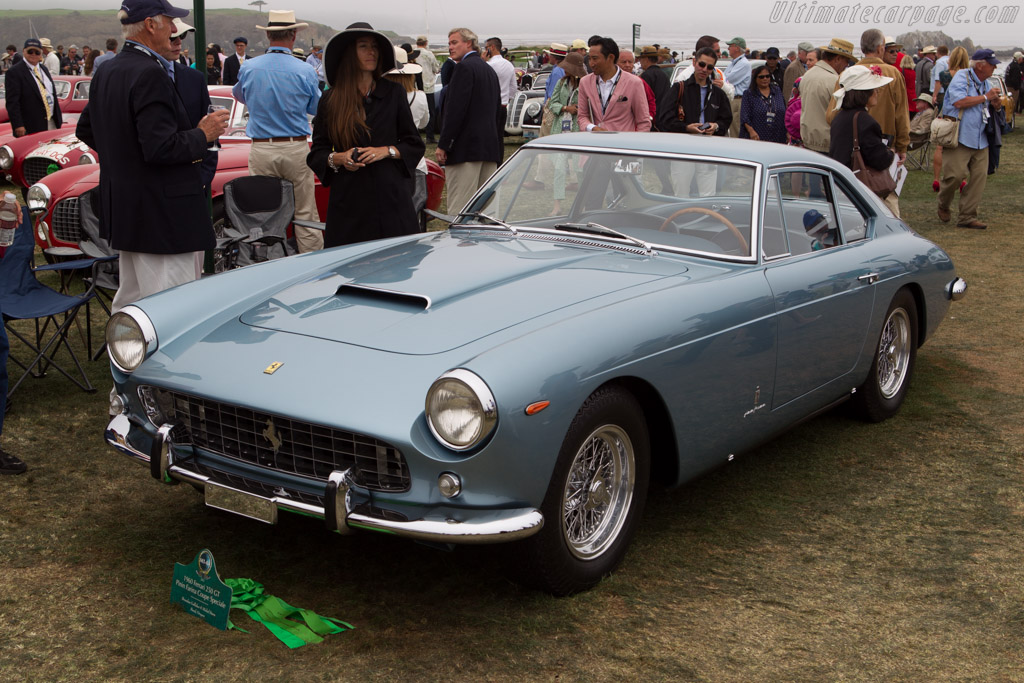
x,y
501,525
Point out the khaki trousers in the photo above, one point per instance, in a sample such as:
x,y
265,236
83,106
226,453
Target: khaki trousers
x,y
463,180
734,127
143,274
288,160
958,164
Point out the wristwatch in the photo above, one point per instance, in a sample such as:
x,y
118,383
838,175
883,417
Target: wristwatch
x,y
392,151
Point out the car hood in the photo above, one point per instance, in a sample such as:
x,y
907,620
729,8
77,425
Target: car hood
x,y
448,289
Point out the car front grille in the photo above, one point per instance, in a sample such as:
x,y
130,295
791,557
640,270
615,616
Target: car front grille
x,y
35,169
257,487
515,110
66,226
285,445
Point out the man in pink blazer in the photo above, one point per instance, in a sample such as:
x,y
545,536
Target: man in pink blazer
x,y
610,98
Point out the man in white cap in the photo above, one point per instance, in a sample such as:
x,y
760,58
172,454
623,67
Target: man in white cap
x,y
428,62
50,59
279,92
153,209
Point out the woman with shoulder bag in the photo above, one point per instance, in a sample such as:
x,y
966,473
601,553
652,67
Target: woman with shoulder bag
x,y
405,74
856,137
563,107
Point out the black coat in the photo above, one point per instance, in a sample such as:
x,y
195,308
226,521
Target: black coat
x,y
151,190
872,147
717,108
471,103
195,97
229,76
1013,75
656,77
375,201
25,106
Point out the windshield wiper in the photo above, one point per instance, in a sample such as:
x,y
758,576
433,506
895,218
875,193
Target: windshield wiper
x,y
598,229
492,219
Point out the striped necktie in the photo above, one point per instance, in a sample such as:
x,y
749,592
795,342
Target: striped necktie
x,y
43,92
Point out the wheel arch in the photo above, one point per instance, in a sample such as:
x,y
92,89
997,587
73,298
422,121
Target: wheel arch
x,y
664,449
922,310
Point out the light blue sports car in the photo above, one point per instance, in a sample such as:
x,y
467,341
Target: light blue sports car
x,y
664,303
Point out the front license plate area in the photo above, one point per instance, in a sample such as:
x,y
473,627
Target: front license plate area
x,y
530,133
241,503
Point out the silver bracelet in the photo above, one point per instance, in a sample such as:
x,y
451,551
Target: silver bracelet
x,y
330,162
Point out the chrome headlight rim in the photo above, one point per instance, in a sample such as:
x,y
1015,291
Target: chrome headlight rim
x,y
146,331
488,408
533,108
86,158
6,158
38,199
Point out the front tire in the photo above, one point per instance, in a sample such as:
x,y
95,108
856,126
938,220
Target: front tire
x,y
595,498
882,394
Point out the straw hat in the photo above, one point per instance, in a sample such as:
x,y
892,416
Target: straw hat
x,y
925,97
282,20
402,64
838,46
339,42
648,51
558,49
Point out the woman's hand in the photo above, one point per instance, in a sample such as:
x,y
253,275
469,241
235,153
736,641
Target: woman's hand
x,y
571,108
371,155
346,160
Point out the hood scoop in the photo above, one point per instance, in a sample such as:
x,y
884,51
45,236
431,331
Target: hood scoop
x,y
353,294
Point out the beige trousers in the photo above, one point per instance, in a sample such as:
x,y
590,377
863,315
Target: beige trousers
x,y
734,127
288,160
463,180
957,164
143,274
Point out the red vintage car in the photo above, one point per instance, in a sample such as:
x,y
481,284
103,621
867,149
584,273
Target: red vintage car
x,y
72,95
26,160
54,199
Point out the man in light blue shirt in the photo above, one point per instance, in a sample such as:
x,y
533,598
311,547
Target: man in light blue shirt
x,y
969,97
738,74
281,93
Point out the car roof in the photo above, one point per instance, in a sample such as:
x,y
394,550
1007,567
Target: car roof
x,y
766,153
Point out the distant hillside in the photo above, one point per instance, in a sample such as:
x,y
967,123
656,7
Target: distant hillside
x,y
93,27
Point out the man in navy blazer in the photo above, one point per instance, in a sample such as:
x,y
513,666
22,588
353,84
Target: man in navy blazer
x,y
468,146
194,94
25,105
233,63
153,207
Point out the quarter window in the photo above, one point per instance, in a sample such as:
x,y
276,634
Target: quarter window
x,y
807,211
851,219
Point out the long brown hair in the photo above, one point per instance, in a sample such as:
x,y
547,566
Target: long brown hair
x,y
344,111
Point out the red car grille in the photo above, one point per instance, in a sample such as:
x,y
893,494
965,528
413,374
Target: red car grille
x,y
286,445
66,226
35,169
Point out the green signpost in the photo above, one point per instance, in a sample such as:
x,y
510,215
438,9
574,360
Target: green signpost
x,y
636,36
199,590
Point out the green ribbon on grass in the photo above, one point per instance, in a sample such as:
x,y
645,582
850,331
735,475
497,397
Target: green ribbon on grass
x,y
279,617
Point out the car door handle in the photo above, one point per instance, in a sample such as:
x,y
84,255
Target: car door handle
x,y
870,278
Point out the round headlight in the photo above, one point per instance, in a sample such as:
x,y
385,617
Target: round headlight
x,y
6,158
86,158
130,338
533,108
38,199
460,409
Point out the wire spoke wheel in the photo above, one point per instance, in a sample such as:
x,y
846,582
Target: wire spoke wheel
x,y
598,492
894,353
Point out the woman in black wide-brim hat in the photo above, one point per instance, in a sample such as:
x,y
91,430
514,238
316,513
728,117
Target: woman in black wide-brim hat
x,y
365,143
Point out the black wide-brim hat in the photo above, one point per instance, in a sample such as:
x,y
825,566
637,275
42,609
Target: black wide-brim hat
x,y
338,43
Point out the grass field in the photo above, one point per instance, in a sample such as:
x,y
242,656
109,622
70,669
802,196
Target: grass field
x,y
841,551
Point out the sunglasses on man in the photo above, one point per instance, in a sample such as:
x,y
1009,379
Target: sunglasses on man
x,y
33,52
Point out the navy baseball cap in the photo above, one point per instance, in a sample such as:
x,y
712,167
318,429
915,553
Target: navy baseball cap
x,y
33,42
240,39
985,55
771,53
140,10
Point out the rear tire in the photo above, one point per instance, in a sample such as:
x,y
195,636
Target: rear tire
x,y
595,498
882,394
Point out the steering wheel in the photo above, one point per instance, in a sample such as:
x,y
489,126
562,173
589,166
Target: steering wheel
x,y
714,214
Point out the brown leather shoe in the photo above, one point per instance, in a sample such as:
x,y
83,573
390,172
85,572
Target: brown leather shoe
x,y
943,215
973,225
533,185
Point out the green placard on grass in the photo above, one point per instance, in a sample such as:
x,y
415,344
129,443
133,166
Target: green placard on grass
x,y
199,590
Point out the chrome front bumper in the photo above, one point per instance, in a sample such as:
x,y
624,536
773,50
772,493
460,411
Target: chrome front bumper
x,y
489,526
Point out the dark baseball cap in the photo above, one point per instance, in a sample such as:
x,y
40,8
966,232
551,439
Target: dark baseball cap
x,y
240,39
985,55
139,10
33,42
771,53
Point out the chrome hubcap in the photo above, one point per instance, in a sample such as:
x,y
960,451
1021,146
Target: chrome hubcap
x,y
598,492
894,353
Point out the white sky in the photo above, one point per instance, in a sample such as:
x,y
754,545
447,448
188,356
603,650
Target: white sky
x,y
756,20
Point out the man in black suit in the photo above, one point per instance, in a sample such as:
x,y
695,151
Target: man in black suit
x,y
194,94
233,63
25,83
152,205
468,146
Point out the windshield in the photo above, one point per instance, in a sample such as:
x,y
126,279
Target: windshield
x,y
676,203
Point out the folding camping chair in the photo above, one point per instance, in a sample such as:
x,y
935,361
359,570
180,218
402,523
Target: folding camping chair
x,y
918,156
23,297
258,210
104,277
